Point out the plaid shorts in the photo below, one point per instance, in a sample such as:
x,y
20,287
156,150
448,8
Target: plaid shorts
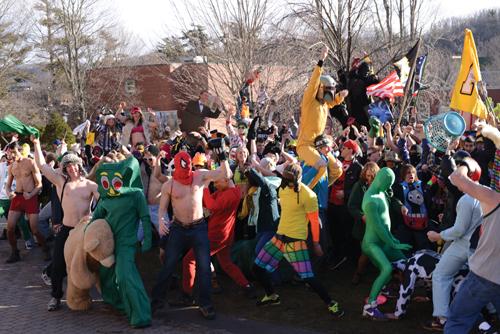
x,y
294,252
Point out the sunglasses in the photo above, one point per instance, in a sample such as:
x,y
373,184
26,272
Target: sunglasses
x,y
241,127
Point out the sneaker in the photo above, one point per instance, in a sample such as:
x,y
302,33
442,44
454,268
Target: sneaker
x,y
273,299
335,310
435,325
45,278
250,292
28,244
486,328
208,312
54,304
14,257
370,311
336,264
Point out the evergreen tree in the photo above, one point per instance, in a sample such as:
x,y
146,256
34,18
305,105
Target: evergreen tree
x,y
57,128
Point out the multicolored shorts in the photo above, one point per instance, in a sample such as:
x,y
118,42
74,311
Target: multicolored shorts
x,y
295,252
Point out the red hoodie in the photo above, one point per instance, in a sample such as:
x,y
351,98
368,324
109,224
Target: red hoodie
x,y
223,206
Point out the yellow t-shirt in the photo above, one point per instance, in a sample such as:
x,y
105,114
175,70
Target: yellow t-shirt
x,y
293,220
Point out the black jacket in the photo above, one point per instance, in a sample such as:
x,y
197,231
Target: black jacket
x,y
351,177
192,118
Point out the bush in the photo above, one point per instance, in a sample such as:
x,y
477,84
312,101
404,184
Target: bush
x,y
57,128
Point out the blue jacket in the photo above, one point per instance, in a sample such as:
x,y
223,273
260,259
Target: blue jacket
x,y
321,188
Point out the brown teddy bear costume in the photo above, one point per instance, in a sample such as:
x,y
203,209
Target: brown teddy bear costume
x,y
88,244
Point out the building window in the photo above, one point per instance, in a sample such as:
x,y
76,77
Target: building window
x,y
130,86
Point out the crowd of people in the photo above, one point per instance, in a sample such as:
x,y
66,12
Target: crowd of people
x,y
379,194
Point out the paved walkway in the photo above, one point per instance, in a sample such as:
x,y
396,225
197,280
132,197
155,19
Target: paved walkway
x,y
24,297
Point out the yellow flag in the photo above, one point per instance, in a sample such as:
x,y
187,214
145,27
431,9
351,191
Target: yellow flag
x,y
90,138
465,93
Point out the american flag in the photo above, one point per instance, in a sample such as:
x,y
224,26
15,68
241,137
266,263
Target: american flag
x,y
390,87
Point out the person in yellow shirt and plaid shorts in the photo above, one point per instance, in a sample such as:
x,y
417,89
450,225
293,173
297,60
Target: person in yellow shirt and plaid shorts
x,y
299,206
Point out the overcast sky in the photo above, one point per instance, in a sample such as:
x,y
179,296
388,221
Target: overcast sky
x,y
150,20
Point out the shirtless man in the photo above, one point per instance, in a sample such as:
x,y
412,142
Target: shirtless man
x,y
23,200
188,229
76,193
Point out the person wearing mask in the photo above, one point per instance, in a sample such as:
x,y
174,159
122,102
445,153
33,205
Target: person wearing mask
x,y
378,243
317,100
223,206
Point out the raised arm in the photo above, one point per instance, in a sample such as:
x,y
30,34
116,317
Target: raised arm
x,y
47,170
157,170
489,198
314,81
223,171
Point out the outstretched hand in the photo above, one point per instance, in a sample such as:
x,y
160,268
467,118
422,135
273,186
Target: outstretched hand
x,y
324,52
34,140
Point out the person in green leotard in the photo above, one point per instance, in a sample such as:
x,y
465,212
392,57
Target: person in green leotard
x,y
378,242
122,204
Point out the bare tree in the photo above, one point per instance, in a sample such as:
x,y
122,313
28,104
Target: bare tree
x,y
14,26
339,22
244,36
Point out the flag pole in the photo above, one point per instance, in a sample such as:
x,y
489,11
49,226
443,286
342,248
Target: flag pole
x,y
409,83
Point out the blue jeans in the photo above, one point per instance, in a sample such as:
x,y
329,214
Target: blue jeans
x,y
43,220
451,262
472,296
181,240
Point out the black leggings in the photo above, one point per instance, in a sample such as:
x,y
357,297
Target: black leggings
x,y
58,264
262,276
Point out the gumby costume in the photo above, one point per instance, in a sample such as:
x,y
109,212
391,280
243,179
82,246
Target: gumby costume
x,y
122,204
313,116
378,242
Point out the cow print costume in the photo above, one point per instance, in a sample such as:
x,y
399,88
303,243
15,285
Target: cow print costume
x,y
420,267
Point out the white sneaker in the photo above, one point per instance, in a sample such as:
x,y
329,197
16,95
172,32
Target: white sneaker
x,y
46,279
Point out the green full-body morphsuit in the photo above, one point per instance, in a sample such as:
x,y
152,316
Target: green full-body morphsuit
x,y
378,242
122,204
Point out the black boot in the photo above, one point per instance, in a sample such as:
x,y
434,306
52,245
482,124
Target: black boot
x,y
14,257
